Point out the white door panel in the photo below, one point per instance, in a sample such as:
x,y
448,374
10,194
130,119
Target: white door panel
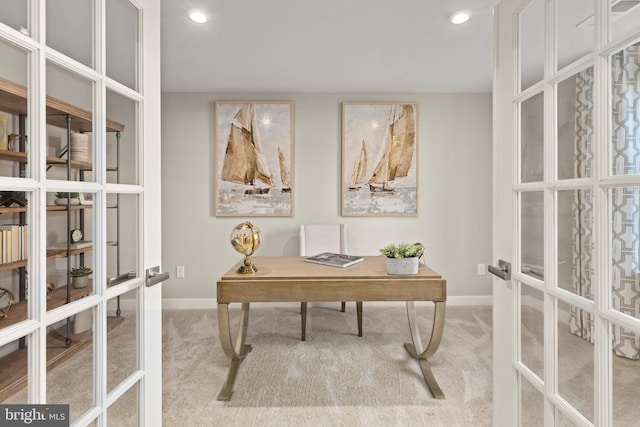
x,y
566,197
61,85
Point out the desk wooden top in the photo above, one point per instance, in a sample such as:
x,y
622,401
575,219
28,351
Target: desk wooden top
x,y
281,279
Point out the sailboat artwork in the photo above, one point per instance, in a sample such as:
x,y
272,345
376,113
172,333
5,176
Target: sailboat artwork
x,y
253,143
387,186
359,175
284,172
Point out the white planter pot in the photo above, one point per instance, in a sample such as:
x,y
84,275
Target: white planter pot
x,y
63,202
83,321
402,266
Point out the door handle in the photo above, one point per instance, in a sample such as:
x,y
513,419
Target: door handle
x,y
154,276
503,270
121,278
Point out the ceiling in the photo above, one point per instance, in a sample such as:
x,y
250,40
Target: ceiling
x,y
329,46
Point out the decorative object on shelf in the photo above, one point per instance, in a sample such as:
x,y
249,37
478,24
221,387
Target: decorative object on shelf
x,y
75,235
50,288
61,199
86,198
403,258
254,158
80,147
246,239
11,198
3,132
379,159
82,321
80,277
6,301
13,139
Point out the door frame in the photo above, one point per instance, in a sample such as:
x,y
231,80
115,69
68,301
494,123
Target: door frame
x,y
504,376
151,390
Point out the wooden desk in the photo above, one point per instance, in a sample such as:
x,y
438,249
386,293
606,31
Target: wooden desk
x,y
291,279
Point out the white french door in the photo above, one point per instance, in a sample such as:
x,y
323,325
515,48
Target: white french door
x,y
566,212
80,187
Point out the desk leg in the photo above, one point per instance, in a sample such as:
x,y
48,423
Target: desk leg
x,y
417,350
237,353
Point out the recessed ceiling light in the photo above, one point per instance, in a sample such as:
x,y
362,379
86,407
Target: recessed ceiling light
x,y
460,17
198,17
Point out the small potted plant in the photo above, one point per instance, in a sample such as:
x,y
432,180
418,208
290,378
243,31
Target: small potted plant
x,y
61,198
403,258
80,277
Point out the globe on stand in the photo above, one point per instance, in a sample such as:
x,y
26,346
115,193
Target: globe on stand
x,y
246,239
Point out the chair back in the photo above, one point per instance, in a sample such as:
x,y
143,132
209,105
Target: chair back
x,y
318,238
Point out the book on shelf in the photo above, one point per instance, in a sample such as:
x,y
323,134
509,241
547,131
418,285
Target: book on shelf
x,y
13,243
80,245
334,259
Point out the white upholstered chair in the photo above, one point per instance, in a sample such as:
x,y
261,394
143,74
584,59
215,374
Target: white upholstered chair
x,y
318,238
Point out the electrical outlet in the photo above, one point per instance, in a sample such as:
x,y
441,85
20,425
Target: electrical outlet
x,y
481,269
180,271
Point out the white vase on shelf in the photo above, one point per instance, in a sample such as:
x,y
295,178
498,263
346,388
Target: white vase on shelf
x,y
80,147
63,202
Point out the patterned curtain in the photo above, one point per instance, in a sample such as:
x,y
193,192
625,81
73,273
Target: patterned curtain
x,y
625,202
581,322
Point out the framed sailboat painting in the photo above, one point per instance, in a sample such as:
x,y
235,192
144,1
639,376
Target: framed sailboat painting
x,y
379,159
254,158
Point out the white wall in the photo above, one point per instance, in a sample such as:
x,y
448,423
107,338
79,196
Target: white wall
x,y
454,201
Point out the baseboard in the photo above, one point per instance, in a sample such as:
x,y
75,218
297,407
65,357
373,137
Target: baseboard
x,y
204,303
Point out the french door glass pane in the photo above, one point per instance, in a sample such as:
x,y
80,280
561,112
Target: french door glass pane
x,y
122,234
532,329
625,16
70,28
531,43
72,382
14,262
562,420
73,109
574,32
575,126
14,123
70,238
575,364
13,371
531,139
625,380
14,14
122,139
625,111
531,238
122,331
575,241
124,412
532,405
122,42
625,252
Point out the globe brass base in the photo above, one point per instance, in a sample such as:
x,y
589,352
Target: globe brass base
x,y
247,268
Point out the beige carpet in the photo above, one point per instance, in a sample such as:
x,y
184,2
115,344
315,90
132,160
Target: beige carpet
x,y
334,378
